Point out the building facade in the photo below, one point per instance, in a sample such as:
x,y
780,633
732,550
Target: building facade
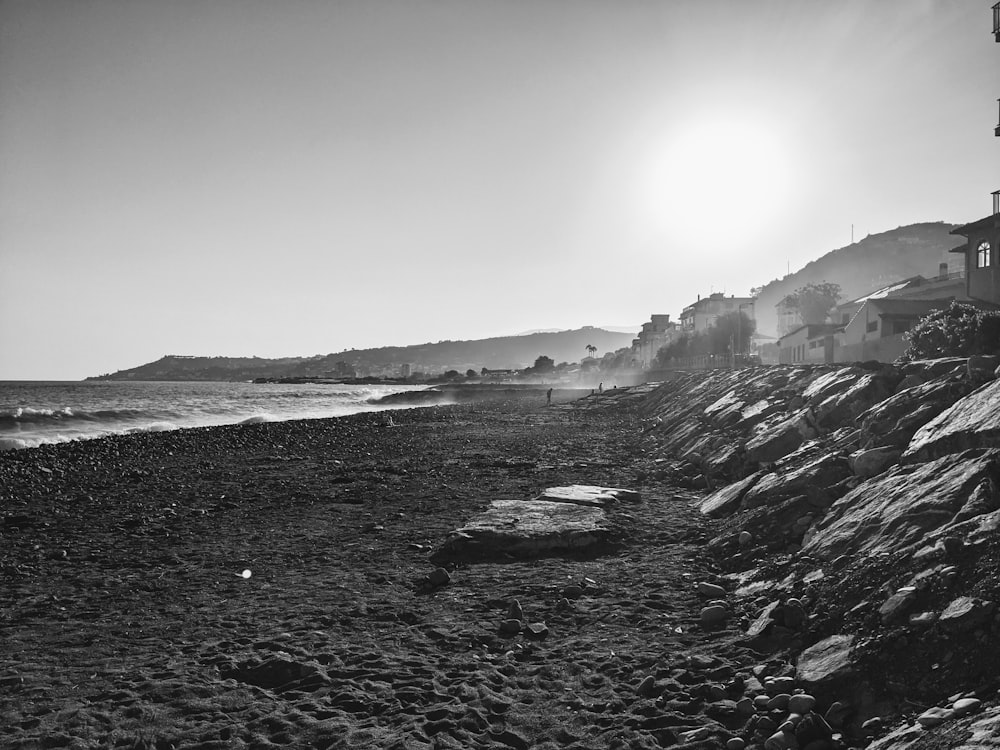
x,y
655,334
702,314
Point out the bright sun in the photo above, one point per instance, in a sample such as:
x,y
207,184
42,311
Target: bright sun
x,y
717,173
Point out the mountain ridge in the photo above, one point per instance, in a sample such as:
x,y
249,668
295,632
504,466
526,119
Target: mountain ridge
x,y
502,352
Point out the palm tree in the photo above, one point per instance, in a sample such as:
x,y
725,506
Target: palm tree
x,y
591,350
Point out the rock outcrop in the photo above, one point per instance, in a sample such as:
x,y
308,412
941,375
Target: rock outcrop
x,y
857,511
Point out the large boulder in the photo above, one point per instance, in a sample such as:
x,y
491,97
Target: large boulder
x,y
726,500
972,422
894,420
867,390
826,666
814,477
899,508
518,528
777,440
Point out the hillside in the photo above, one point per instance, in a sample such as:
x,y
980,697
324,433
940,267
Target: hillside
x,y
874,262
495,353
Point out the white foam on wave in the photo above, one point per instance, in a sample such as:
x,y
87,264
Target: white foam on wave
x,y
154,427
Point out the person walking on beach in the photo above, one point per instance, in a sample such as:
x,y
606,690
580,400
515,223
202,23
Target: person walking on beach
x,y
548,398
600,387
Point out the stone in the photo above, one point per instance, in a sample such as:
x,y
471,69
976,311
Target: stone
x,y
965,613
585,494
964,706
812,728
836,715
713,615
778,685
573,591
896,510
801,703
821,472
517,528
711,590
922,619
511,627
934,716
982,367
514,611
873,726
970,422
778,702
735,743
536,630
872,462
439,577
745,707
896,606
745,539
893,421
779,440
779,741
826,665
726,500
647,687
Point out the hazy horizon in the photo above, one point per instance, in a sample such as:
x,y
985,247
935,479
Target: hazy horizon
x,y
251,177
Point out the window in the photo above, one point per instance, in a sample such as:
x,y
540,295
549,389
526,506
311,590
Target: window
x,y
901,326
983,256
872,326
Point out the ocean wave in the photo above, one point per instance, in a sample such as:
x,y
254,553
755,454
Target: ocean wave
x,y
13,444
154,427
27,415
260,419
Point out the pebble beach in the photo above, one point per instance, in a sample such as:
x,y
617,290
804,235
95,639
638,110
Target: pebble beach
x,y
270,585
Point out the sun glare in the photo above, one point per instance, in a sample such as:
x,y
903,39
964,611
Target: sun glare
x,y
715,173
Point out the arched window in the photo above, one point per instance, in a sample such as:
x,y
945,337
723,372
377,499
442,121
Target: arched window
x,y
984,258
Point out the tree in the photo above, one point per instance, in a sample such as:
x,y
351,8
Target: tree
x,y
543,364
813,301
957,331
470,373
591,350
732,329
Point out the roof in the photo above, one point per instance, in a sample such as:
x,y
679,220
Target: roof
x,y
966,229
887,291
814,329
910,307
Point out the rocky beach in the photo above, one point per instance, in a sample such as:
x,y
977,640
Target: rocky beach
x,y
787,557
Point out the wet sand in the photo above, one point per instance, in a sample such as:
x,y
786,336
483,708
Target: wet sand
x,y
126,619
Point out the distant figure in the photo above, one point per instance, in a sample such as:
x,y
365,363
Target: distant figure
x,y
600,387
548,397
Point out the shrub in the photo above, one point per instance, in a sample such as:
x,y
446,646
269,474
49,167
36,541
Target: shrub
x,y
960,330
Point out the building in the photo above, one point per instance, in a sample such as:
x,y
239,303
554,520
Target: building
x,y
655,334
982,266
702,314
809,343
876,331
946,285
982,237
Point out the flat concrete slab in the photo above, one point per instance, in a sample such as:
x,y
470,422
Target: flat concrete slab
x,y
588,494
560,520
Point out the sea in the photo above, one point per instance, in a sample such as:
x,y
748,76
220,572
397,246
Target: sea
x,y
33,413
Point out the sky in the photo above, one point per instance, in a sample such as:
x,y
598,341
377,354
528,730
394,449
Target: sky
x,y
296,177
